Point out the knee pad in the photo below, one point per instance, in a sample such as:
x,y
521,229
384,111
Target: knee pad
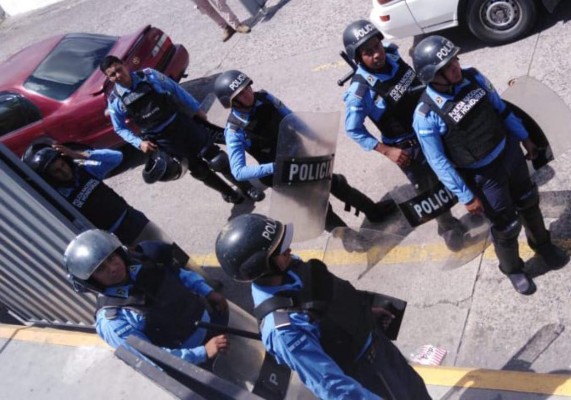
x,y
528,199
200,171
507,233
219,162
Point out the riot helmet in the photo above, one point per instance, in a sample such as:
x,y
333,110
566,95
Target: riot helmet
x,y
42,159
32,149
229,84
431,54
86,252
356,34
245,245
161,166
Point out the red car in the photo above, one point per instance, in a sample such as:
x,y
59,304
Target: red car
x,y
54,89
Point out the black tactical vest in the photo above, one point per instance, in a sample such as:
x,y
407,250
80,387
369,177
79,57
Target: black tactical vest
x,y
95,200
343,312
475,128
170,309
148,108
262,130
400,102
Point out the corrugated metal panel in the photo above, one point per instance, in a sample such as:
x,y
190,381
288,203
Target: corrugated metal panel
x,y
36,224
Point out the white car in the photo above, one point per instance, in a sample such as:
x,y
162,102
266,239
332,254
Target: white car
x,y
492,21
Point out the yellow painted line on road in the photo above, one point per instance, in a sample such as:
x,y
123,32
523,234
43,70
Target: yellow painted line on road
x,y
523,382
333,65
50,336
405,254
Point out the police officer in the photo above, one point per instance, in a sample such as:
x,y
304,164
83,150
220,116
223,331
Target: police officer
x,y
170,119
78,176
253,127
472,141
146,293
381,91
314,322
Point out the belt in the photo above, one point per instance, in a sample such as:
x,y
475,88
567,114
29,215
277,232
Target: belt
x,y
406,144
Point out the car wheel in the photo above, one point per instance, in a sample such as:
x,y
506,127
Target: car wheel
x,y
500,21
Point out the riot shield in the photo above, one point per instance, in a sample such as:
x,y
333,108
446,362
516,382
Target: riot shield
x,y
451,233
304,167
544,114
247,365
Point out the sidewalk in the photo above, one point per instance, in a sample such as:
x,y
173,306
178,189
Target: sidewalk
x,y
87,369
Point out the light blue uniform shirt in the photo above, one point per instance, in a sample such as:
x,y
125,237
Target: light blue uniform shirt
x,y
130,322
430,128
357,109
297,345
238,141
162,84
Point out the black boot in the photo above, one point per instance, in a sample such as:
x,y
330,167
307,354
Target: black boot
x,y
228,194
539,238
375,212
507,250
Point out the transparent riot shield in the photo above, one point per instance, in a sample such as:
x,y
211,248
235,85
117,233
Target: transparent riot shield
x,y
453,235
544,114
246,364
304,167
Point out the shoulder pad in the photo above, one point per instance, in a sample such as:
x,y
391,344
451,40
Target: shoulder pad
x,y
424,109
281,319
391,48
361,87
111,313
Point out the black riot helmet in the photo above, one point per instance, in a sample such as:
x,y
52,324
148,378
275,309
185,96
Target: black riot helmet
x,y
431,54
85,253
229,84
246,244
356,34
32,149
41,160
161,166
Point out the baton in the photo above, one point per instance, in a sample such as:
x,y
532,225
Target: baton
x,y
227,329
353,66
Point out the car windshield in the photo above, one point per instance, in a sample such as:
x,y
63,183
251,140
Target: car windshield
x,y
69,64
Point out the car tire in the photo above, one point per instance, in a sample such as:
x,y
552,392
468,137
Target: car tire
x,y
500,21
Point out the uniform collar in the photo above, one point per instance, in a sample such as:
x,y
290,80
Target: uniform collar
x,y
134,82
125,290
372,78
440,98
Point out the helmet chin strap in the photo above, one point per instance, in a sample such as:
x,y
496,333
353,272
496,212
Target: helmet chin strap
x,y
448,87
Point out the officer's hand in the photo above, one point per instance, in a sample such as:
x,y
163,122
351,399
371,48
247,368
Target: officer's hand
x,y
217,301
148,146
398,156
66,151
216,345
475,206
531,148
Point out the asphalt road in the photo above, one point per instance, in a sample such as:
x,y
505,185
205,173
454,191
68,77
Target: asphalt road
x,y
470,310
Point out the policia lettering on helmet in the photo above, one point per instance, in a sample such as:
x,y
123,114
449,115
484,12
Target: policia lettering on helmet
x,y
171,120
472,141
253,126
380,91
314,322
78,176
146,293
